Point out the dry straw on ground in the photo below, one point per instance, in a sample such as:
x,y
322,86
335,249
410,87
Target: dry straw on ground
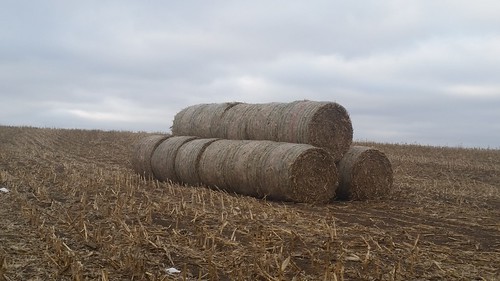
x,y
278,171
163,159
96,220
187,160
322,124
142,152
365,173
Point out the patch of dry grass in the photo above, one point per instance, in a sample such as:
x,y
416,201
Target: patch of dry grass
x,y
77,211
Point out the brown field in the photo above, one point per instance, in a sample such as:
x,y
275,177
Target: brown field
x,y
76,211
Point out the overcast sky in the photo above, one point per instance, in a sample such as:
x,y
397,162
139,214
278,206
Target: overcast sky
x,y
424,71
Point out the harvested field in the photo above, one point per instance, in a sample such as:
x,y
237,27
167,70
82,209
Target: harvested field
x,y
322,124
77,211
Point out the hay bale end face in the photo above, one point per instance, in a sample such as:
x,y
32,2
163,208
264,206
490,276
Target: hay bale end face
x,y
163,158
328,125
322,124
300,173
274,170
188,158
142,152
365,173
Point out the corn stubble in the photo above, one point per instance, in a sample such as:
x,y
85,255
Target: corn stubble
x,y
77,211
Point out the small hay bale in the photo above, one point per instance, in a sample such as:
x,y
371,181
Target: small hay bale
x,y
188,158
142,152
163,159
322,124
365,173
274,170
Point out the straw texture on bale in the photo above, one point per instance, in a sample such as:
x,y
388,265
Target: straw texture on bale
x,y
365,173
322,124
200,120
188,158
163,159
142,152
274,170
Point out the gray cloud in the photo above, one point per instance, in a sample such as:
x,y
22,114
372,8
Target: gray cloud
x,y
418,72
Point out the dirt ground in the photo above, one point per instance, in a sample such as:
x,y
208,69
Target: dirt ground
x,y
76,211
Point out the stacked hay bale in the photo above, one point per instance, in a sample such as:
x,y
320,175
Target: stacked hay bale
x,y
322,124
280,151
201,120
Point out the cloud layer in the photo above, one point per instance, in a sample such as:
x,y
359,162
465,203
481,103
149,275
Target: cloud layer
x,y
413,71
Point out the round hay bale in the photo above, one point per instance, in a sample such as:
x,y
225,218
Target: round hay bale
x,y
365,173
322,124
188,158
301,173
200,120
262,121
278,171
214,162
142,152
233,124
246,168
163,159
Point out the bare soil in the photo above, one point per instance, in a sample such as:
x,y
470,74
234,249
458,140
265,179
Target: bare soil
x,y
76,211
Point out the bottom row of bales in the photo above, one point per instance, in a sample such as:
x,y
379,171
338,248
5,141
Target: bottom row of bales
x,y
264,169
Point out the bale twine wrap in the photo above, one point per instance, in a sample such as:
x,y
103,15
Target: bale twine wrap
x,y
163,159
142,152
188,158
322,124
365,173
275,170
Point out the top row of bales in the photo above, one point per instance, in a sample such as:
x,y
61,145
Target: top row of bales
x,y
321,124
